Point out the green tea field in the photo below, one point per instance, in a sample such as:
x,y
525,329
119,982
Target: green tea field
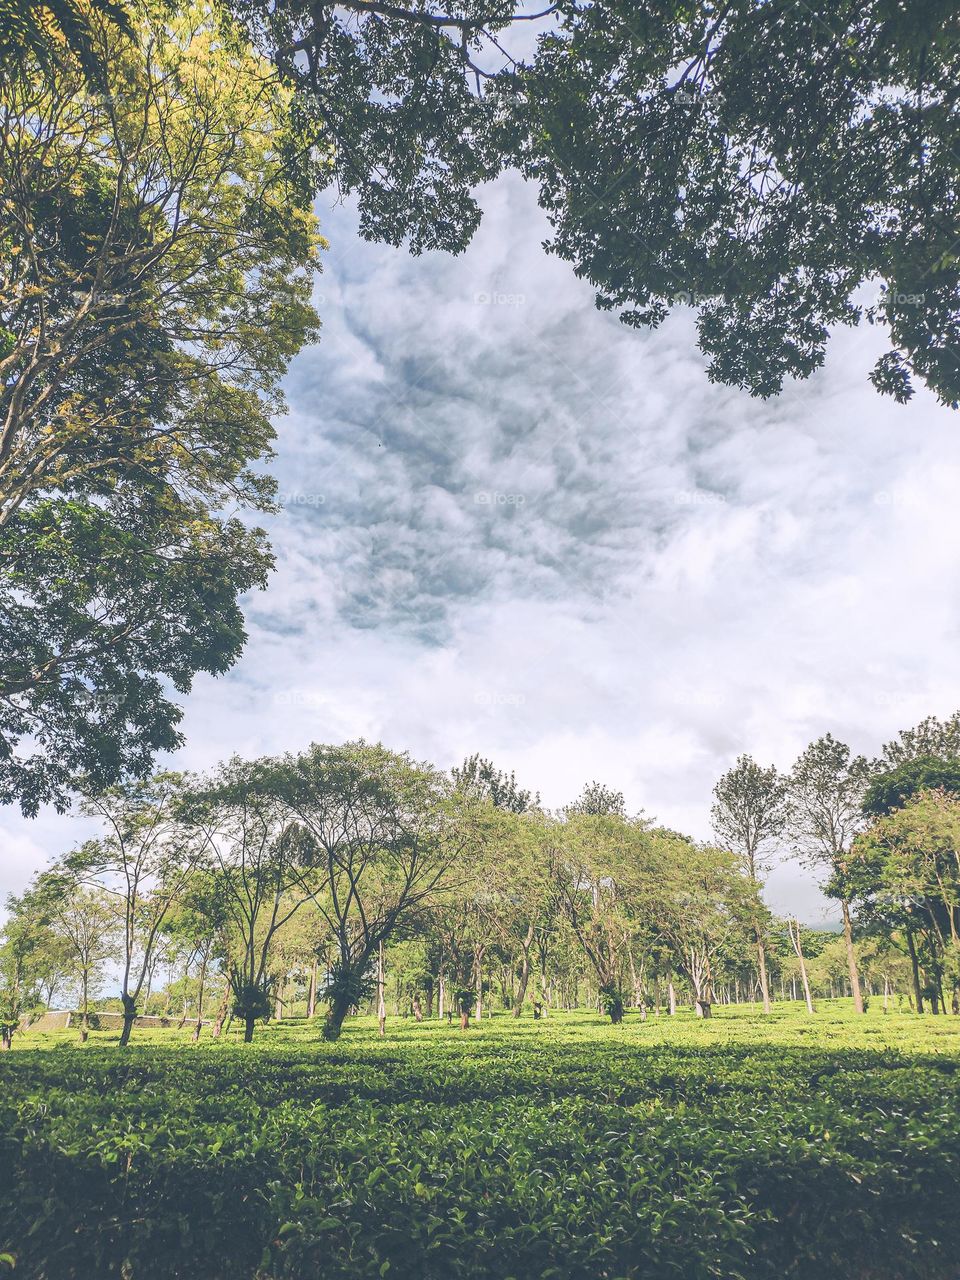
x,y
743,1146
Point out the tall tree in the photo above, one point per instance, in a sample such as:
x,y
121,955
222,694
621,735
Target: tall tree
x,y
705,904
827,788
155,270
258,858
380,840
750,813
910,860
143,860
89,924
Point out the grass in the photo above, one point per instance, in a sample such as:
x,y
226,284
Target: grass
x,y
742,1146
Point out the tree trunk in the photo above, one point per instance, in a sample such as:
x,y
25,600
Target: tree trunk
x,y
129,1014
702,1007
381,1005
762,970
524,972
222,1012
672,997
249,1023
84,1008
312,993
795,938
336,1014
915,967
851,958
200,989
441,993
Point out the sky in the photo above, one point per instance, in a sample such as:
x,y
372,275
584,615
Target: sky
x,y
512,525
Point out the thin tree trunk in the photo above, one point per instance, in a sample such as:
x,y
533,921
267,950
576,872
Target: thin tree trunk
x,y
222,1012
381,1005
672,997
915,968
794,930
524,971
851,958
201,986
129,1014
762,969
84,1008
312,993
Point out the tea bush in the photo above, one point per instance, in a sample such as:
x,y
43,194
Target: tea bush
x,y
740,1147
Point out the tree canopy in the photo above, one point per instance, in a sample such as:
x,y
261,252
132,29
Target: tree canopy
x,y
758,160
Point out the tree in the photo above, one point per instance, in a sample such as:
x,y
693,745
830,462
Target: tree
x,y
258,858
511,889
705,903
910,859
827,787
155,269
758,160
30,958
88,923
143,862
750,813
381,837
598,800
602,872
482,780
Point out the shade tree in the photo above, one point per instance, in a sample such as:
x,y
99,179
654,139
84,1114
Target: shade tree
x,y
828,785
750,814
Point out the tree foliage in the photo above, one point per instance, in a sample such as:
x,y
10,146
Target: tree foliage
x,y
155,272
758,160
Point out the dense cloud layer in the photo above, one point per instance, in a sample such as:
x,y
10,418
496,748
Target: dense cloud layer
x,y
513,526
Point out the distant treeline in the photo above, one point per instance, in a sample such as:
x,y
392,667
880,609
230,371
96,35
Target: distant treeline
x,y
346,875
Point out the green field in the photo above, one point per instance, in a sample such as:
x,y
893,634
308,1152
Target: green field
x,y
738,1147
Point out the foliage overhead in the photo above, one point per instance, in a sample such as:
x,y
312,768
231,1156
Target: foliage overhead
x,y
782,168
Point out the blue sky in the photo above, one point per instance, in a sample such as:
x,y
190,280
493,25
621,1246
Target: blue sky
x,y
514,526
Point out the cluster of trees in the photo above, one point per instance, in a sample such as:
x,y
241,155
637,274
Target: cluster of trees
x,y
759,160
309,877
884,835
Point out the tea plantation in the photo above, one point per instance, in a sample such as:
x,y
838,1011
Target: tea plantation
x,y
739,1147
